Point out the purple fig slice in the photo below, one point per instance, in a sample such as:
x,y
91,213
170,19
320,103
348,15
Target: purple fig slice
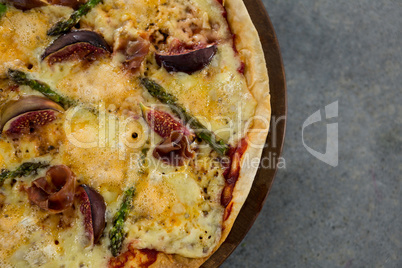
x,y
29,122
187,61
28,112
93,208
76,45
163,123
68,3
27,4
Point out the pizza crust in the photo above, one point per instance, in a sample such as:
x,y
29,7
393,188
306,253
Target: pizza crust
x,y
251,53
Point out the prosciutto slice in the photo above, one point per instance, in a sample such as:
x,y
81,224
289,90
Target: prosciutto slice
x,y
54,192
134,50
174,149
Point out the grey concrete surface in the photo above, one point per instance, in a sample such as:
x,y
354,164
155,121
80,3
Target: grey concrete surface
x,y
350,215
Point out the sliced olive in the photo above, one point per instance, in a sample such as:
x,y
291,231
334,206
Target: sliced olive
x,y
187,61
81,44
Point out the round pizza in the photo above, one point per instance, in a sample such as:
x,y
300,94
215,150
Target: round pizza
x,y
131,131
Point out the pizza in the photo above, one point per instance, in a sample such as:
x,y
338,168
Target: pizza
x,y
131,131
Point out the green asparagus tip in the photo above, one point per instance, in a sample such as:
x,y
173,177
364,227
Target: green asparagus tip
x,y
21,78
66,25
18,77
116,234
23,170
3,9
158,92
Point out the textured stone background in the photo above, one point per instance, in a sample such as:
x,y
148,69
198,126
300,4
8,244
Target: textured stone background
x,y
351,215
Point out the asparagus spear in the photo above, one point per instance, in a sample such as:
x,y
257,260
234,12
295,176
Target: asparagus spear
x,y
23,170
202,132
3,9
21,78
116,233
66,25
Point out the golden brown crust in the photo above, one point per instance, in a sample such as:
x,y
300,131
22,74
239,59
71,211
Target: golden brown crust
x,y
251,53
250,50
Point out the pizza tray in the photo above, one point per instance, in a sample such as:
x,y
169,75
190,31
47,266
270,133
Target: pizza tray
x,y
274,143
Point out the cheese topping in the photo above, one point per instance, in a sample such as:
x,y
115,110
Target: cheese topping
x,y
106,143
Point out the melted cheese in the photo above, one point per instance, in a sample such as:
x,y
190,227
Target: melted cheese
x,y
176,209
23,35
222,101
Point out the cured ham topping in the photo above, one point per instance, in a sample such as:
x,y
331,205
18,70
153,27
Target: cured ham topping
x,y
76,45
175,147
54,192
134,50
174,150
